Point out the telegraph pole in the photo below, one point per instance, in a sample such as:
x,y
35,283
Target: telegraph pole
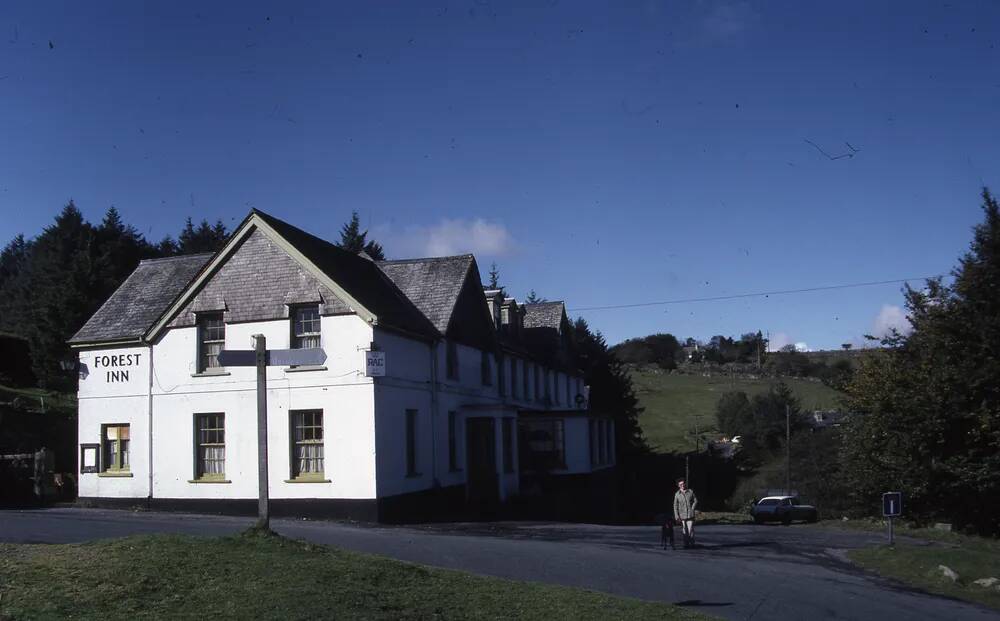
x,y
263,501
788,450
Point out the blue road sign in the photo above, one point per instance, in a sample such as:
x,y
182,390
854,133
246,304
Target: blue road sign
x,y
274,358
892,504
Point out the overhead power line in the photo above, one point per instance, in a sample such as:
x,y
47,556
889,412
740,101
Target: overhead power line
x,y
752,295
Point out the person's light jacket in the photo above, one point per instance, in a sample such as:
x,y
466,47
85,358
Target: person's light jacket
x,y
684,505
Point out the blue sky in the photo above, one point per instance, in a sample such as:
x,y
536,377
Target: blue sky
x,y
601,153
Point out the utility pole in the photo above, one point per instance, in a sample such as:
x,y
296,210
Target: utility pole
x,y
788,450
687,469
263,501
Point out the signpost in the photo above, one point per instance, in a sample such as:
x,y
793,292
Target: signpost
x,y
892,506
261,358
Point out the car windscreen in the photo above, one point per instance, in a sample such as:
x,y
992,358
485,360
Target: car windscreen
x,y
768,502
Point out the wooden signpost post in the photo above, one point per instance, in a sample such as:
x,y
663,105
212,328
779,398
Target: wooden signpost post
x,y
262,358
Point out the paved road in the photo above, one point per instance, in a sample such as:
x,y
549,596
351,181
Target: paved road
x,y
737,572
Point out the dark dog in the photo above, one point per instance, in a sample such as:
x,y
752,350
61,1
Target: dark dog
x,y
666,523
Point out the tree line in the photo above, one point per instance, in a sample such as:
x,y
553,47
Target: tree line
x,y
52,283
668,352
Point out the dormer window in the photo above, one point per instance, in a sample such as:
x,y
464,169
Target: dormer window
x,y
305,327
211,340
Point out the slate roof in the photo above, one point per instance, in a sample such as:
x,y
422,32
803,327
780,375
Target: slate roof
x,y
141,299
432,284
543,315
359,277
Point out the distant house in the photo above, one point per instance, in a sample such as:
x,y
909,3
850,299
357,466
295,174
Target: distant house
x,y
821,419
478,393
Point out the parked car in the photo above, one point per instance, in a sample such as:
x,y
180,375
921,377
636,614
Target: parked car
x,y
782,509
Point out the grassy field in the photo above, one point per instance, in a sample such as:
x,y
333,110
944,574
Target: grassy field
x,y
38,398
675,404
263,576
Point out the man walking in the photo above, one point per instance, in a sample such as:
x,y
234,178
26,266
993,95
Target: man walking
x,y
685,503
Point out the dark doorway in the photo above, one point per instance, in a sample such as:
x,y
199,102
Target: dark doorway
x,y
483,487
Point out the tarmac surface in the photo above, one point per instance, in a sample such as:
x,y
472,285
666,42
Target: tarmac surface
x,y
734,572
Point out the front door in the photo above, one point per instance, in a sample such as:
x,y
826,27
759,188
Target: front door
x,y
483,487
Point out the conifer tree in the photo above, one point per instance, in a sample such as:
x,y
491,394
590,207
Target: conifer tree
x,y
353,239
611,390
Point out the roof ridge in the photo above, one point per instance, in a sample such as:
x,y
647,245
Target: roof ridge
x,y
426,259
176,257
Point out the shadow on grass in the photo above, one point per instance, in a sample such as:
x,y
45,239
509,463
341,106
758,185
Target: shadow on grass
x,y
700,603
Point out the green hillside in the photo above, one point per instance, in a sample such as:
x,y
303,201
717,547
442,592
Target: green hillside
x,y
675,404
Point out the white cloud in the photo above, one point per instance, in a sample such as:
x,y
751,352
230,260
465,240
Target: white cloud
x,y
888,318
480,237
781,339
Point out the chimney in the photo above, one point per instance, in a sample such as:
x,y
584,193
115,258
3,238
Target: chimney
x,y
493,297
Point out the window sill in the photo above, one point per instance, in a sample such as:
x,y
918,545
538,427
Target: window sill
x,y
211,374
209,481
304,368
308,480
112,474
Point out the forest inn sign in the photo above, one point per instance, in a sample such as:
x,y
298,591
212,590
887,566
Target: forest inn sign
x,y
116,367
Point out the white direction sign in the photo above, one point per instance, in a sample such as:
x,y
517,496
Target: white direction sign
x,y
274,357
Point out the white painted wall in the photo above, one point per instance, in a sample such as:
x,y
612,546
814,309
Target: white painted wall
x,y
340,390
364,420
119,400
391,403
469,372
407,359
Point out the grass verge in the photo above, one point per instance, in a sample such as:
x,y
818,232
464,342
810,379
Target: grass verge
x,y
972,558
264,576
723,517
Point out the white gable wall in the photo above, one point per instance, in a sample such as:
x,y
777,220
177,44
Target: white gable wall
x,y
342,391
109,399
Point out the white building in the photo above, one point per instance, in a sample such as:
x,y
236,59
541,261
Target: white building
x,y
478,392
